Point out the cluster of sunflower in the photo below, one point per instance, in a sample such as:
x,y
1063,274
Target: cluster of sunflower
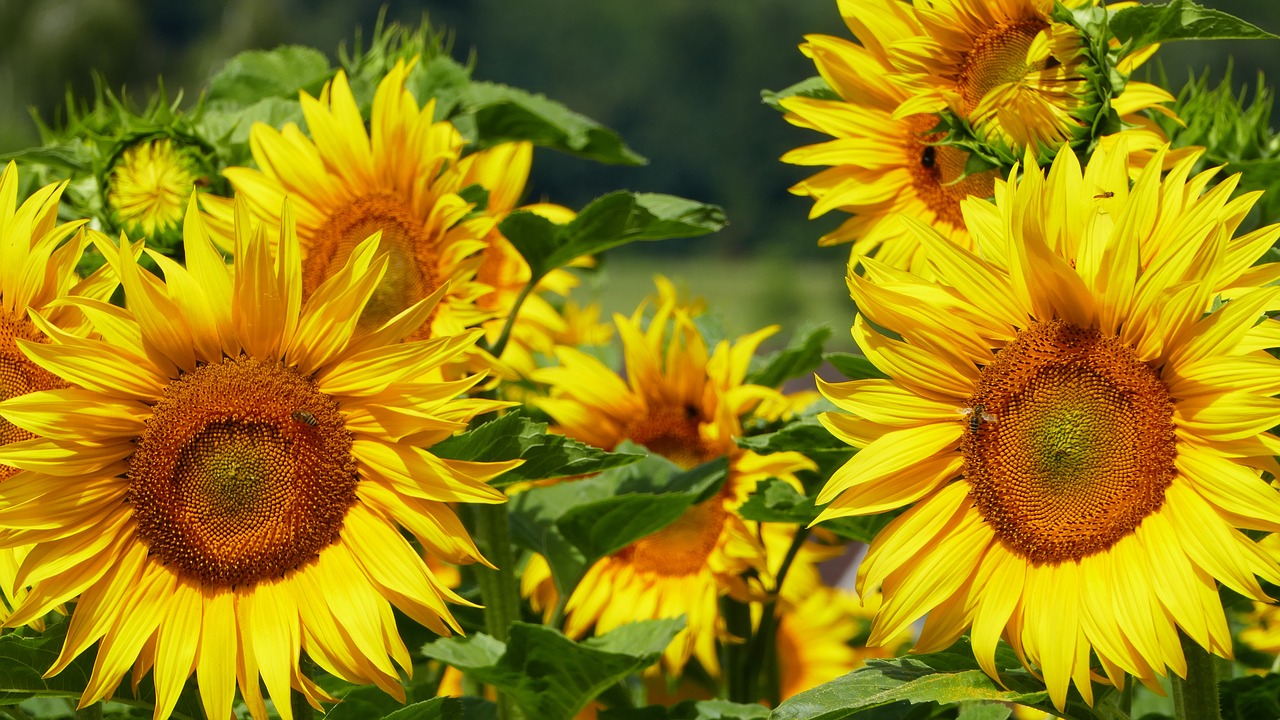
x,y
298,412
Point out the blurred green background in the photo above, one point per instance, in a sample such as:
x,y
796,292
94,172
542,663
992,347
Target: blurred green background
x,y
679,80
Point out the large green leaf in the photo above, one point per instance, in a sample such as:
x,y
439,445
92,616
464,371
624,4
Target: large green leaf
x,y
808,437
257,74
563,521
608,221
948,677
1254,696
1142,25
546,455
550,676
502,114
801,357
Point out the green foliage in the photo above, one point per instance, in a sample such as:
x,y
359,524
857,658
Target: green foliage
x,y
689,710
501,113
1141,25
800,358
550,676
854,367
1253,696
776,501
947,677
814,87
546,455
609,221
26,655
255,75
562,522
444,708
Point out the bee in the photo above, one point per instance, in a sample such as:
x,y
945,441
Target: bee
x,y
977,415
1104,195
929,157
304,416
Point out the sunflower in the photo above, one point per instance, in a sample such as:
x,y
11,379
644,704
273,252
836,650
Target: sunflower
x,y
684,403
1062,405
148,188
37,269
224,481
888,158
884,165
405,176
1016,74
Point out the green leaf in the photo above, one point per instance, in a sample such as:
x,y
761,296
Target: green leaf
x,y
1142,25
608,525
546,455
940,678
73,157
445,708
257,74
607,222
807,437
1252,696
503,114
24,658
552,677
980,710
776,501
557,520
801,357
854,367
690,710
229,123
814,87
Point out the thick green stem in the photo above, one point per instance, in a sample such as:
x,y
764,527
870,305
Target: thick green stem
x,y
760,671
302,710
498,588
1196,698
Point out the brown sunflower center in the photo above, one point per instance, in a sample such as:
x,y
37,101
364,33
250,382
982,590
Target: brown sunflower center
x,y
997,57
672,432
683,547
244,472
411,272
1077,445
19,376
935,176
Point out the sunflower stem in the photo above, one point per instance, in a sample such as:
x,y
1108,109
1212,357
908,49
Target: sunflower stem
x,y
498,588
302,710
761,667
1196,698
501,343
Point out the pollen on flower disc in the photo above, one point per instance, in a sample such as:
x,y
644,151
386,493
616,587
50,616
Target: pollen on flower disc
x,y
937,172
997,57
243,473
411,272
681,548
1081,447
19,376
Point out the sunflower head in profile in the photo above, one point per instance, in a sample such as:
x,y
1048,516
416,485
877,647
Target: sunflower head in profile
x,y
223,476
1060,406
883,164
37,272
1020,77
685,402
148,187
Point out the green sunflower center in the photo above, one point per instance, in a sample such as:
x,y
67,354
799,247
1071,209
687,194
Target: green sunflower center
x,y
411,272
683,547
19,376
1077,445
243,473
997,57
